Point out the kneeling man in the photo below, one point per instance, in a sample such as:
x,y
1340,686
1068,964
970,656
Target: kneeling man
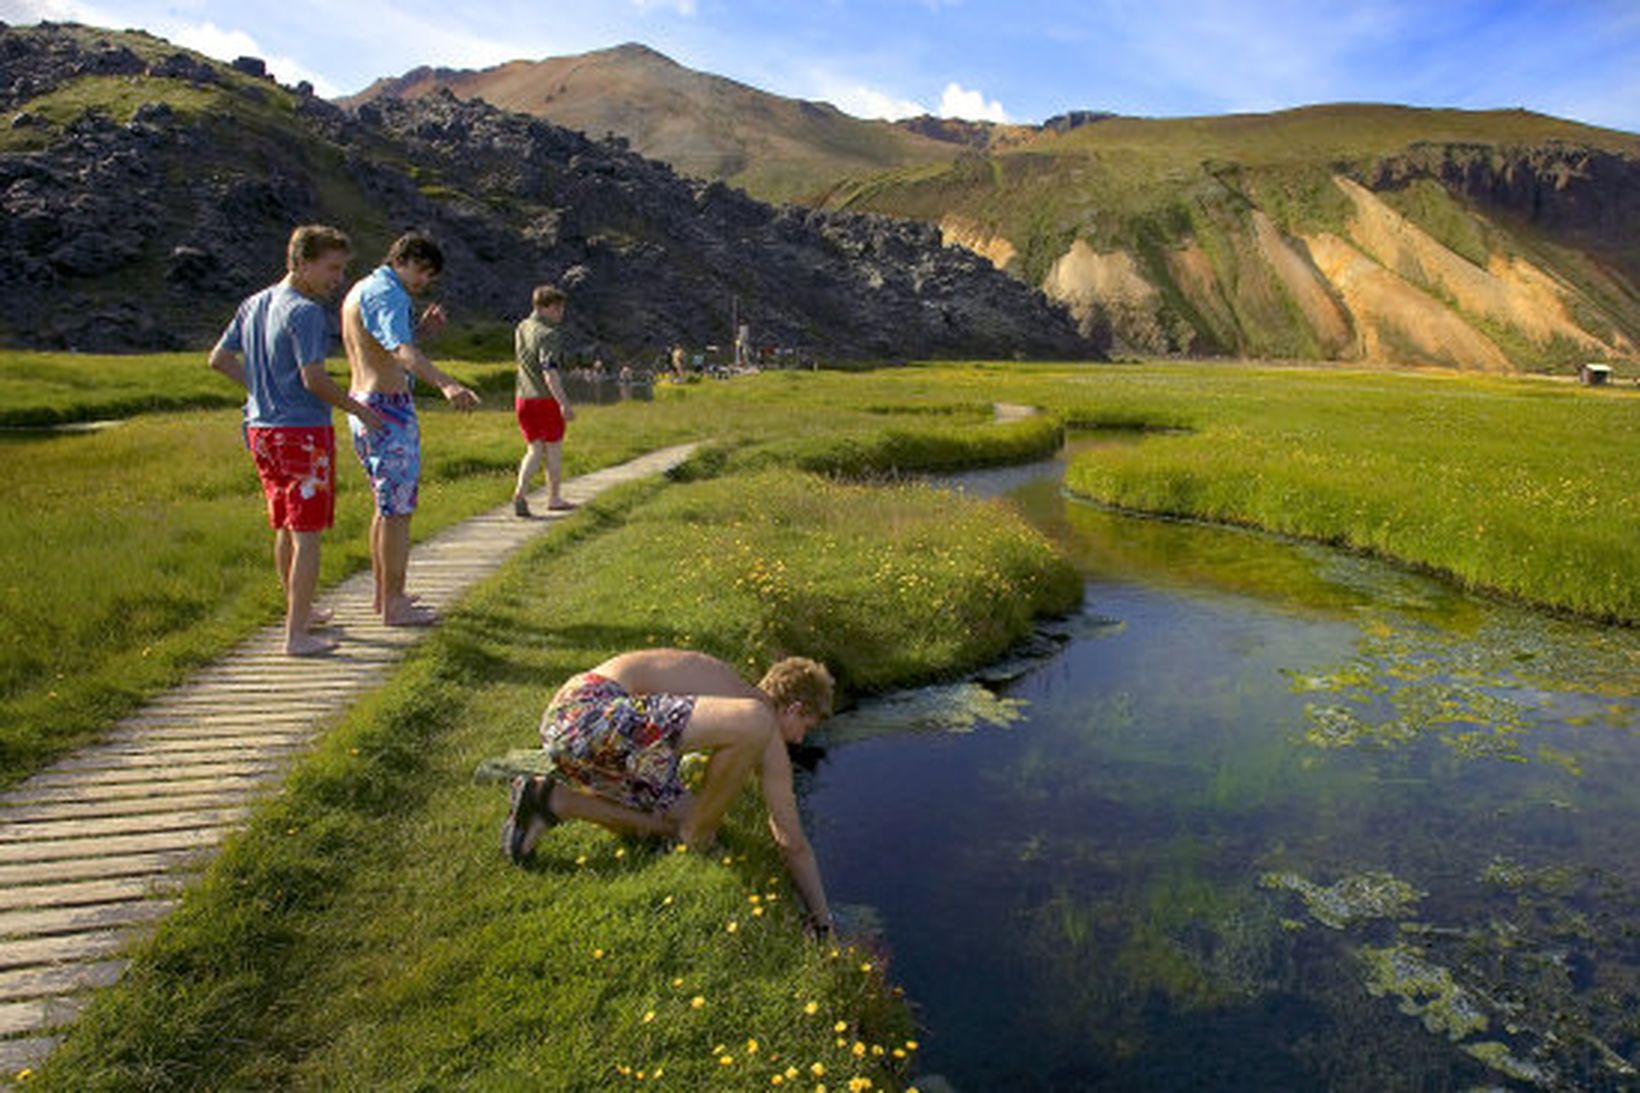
x,y
615,735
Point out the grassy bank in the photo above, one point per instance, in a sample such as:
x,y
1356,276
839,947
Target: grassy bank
x,y
134,554
1517,487
365,932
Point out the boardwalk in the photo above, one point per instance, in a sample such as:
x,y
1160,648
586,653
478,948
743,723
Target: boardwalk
x,y
103,841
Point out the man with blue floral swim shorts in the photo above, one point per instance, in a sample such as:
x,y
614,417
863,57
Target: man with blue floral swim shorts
x,y
615,735
380,333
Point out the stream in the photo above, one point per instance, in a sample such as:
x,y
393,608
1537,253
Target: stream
x,y
1271,817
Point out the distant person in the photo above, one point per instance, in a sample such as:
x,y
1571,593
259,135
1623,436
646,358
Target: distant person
x,y
677,363
538,397
275,348
381,336
615,735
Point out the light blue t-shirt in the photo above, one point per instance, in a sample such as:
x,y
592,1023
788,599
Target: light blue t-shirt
x,y
277,331
386,310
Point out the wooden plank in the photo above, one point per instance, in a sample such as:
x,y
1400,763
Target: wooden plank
x,y
97,827
56,950
22,1054
16,986
94,805
87,787
143,759
199,772
19,896
111,847
54,921
76,869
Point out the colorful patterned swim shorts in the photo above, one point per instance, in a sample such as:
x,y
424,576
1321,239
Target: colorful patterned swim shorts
x,y
391,457
621,746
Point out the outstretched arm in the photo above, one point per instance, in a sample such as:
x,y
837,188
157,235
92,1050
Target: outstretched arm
x,y
418,364
787,829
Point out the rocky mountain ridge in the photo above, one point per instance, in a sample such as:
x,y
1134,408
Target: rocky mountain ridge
x,y
1496,240
146,189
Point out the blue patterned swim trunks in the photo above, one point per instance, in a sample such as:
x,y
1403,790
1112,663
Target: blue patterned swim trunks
x,y
391,457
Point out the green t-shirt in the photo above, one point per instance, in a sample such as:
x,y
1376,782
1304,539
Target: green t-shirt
x,y
535,344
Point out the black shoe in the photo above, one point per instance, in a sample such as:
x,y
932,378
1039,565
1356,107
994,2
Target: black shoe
x,y
528,815
521,507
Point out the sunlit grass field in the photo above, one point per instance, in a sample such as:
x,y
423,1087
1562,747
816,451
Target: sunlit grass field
x,y
365,931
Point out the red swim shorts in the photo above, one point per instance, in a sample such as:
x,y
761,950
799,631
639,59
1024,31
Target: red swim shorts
x,y
540,419
298,471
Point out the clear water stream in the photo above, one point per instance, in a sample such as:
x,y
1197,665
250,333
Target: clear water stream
x,y
1274,817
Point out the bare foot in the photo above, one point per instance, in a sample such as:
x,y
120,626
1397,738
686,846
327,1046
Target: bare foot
x,y
559,505
306,645
320,616
406,612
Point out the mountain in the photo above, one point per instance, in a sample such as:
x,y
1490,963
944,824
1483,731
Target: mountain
x,y
1498,240
1495,240
703,125
146,190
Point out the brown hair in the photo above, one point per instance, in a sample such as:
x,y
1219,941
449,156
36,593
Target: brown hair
x,y
310,242
799,679
545,296
413,248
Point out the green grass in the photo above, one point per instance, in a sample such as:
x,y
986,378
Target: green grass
x,y
366,933
140,552
43,389
1522,488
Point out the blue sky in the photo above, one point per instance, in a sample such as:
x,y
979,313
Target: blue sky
x,y
1020,61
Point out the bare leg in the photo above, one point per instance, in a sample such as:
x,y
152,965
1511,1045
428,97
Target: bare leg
x,y
303,579
571,804
397,608
555,475
377,598
527,467
736,731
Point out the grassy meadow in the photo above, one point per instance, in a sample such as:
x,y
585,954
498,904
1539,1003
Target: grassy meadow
x,y
365,932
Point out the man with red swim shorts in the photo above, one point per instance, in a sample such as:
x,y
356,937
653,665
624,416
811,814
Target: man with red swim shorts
x,y
539,398
275,348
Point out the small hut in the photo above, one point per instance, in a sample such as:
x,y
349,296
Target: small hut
x,y
1594,375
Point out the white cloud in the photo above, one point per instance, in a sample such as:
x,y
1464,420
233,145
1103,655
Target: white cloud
x,y
226,45
685,8
868,102
959,102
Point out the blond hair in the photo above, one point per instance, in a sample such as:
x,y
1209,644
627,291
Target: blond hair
x,y
310,242
801,680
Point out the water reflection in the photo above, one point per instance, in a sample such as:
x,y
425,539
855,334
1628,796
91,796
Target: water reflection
x,y
1273,818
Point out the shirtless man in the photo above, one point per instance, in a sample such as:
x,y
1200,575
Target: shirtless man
x,y
275,348
615,735
380,333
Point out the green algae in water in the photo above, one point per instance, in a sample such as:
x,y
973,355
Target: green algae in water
x,y
1354,899
1427,991
1525,975
957,707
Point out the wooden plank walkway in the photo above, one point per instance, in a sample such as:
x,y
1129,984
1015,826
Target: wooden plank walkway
x,y
102,842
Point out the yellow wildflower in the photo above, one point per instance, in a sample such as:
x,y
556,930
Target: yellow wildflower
x,y
648,1017
678,982
697,1002
818,1070
751,1047
859,1049
726,1060
733,926
839,1026
812,1008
